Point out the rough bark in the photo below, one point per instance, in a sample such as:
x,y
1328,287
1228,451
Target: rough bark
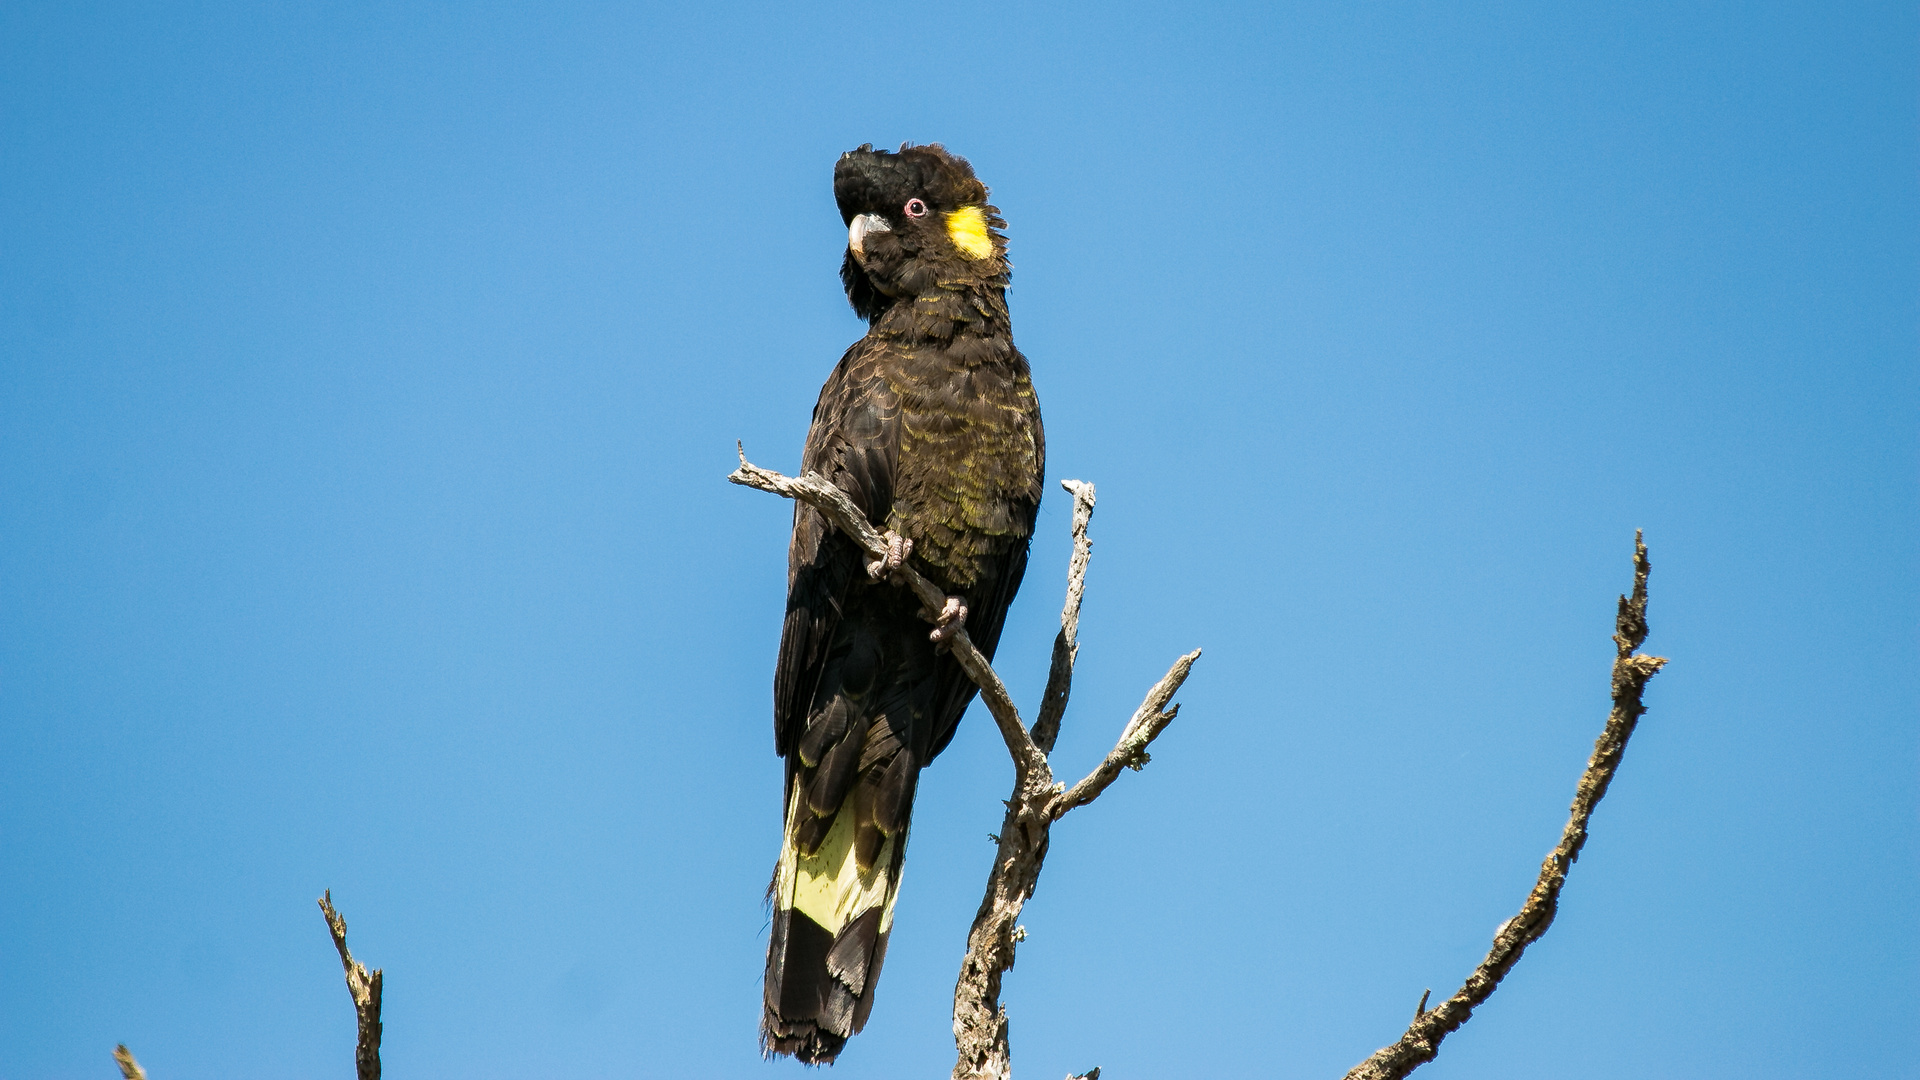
x,y
365,988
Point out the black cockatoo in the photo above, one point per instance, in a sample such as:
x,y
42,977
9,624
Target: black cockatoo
x,y
930,423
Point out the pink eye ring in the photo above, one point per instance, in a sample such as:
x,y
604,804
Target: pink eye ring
x,y
916,208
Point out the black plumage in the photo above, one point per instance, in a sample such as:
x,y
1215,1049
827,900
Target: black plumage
x,y
931,425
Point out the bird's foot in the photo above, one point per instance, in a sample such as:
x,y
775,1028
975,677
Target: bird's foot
x,y
898,548
952,618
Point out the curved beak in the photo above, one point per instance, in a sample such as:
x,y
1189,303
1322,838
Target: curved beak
x,y
859,227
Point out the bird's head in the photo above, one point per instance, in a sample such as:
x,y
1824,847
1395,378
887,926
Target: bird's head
x,y
917,222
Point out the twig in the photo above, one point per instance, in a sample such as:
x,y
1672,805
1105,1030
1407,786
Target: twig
x,y
1149,720
1631,671
365,988
979,1021
129,1068
1066,644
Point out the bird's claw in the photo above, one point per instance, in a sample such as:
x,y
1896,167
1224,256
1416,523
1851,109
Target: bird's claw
x,y
952,618
898,548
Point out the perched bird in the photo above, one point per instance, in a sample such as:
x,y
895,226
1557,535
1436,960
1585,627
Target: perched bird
x,y
930,424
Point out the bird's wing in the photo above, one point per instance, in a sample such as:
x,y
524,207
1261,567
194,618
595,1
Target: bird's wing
x,y
853,442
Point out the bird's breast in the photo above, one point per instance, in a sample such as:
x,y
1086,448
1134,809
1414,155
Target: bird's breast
x,y
967,477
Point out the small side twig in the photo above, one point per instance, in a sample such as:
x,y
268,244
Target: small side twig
x,y
365,988
129,1068
1149,720
1066,644
979,1021
1631,671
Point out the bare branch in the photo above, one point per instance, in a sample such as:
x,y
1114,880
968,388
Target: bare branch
x,y
1149,720
1631,671
979,1021
365,988
1027,758
1066,644
129,1068
823,495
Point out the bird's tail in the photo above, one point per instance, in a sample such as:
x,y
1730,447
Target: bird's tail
x,y
832,911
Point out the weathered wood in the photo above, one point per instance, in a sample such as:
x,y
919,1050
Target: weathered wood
x,y
365,988
1631,670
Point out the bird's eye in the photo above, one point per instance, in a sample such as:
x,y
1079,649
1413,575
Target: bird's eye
x,y
916,208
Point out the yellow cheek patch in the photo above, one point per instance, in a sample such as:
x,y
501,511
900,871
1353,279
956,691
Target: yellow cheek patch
x,y
967,228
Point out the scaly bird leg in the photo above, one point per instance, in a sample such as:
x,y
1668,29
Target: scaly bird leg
x,y
952,618
898,548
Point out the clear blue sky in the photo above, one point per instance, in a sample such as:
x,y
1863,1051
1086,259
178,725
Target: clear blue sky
x,y
368,374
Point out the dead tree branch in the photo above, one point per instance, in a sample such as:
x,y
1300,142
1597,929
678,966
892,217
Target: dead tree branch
x,y
1066,644
129,1068
1149,720
1631,671
365,988
979,1021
